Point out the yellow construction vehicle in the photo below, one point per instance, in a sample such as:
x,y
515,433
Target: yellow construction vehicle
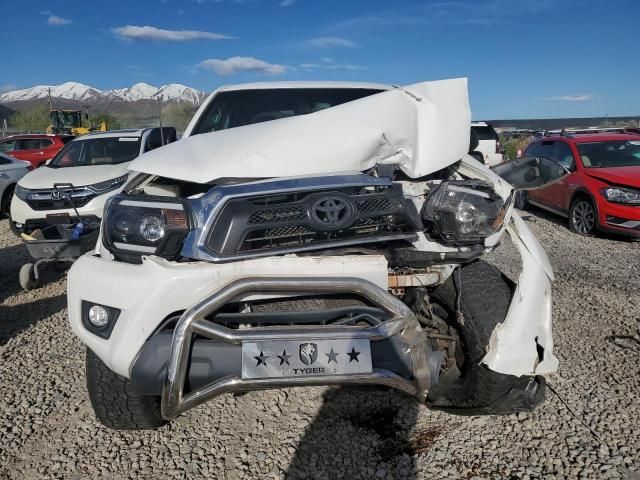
x,y
71,122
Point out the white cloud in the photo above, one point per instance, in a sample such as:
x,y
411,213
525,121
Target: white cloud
x,y
330,65
585,97
134,32
287,3
328,42
56,21
234,65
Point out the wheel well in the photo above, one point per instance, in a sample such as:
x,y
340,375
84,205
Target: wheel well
x,y
9,188
582,194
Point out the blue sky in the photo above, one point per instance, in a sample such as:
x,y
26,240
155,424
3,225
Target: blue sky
x,y
523,58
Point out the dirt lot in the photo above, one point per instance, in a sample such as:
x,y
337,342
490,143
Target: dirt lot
x,y
590,429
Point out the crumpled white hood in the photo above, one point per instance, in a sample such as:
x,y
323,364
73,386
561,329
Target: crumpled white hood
x,y
421,128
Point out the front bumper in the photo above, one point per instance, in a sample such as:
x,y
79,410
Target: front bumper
x,y
402,325
22,213
149,293
619,218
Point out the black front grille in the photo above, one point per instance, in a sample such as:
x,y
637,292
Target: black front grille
x,y
61,204
269,215
284,222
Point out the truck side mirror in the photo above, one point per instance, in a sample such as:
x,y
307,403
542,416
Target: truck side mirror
x,y
528,173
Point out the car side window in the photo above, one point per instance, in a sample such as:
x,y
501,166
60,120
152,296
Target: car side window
x,y
29,144
45,143
8,146
540,149
564,156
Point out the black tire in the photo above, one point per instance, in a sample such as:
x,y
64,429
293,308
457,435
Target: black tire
x,y
481,295
5,203
27,277
521,201
115,403
583,216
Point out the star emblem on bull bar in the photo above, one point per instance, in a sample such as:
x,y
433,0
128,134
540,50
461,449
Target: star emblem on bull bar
x,y
284,358
353,355
262,359
332,356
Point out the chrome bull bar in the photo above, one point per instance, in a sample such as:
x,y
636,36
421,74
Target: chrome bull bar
x,y
402,322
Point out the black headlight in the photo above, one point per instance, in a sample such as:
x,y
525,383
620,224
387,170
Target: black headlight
x,y
463,212
135,225
108,185
21,192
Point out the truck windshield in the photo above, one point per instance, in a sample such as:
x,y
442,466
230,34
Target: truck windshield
x,y
244,107
97,151
616,153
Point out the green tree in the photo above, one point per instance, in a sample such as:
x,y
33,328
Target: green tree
x,y
32,119
178,115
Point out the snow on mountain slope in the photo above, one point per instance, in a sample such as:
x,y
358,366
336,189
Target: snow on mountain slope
x,y
68,90
139,91
78,91
176,91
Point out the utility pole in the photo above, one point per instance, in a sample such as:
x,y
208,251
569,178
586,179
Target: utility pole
x,y
160,121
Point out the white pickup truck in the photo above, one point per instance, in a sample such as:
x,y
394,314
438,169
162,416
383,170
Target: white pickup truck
x,y
313,233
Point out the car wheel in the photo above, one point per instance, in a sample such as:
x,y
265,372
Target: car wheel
x,y
475,299
115,402
5,204
582,217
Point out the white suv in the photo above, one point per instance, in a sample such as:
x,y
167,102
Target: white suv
x,y
88,169
488,149
315,233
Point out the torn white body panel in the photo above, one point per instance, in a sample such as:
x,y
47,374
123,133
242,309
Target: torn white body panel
x,y
420,128
513,348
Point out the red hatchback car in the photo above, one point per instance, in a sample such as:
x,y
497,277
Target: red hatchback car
x,y
34,148
602,191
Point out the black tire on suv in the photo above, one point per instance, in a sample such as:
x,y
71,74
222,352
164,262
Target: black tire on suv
x,y
481,295
115,403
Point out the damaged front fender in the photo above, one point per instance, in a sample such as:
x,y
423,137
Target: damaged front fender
x,y
523,343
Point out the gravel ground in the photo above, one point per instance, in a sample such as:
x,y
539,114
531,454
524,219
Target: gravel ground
x,y
47,428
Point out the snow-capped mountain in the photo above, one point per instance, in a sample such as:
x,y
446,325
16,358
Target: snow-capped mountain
x,y
68,90
79,92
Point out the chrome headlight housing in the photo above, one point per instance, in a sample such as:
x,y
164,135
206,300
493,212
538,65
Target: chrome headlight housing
x,y
628,196
463,212
136,225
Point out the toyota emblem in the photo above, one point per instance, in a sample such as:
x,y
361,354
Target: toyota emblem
x,y
332,212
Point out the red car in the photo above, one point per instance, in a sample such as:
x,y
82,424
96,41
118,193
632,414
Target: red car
x,y
34,148
602,191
